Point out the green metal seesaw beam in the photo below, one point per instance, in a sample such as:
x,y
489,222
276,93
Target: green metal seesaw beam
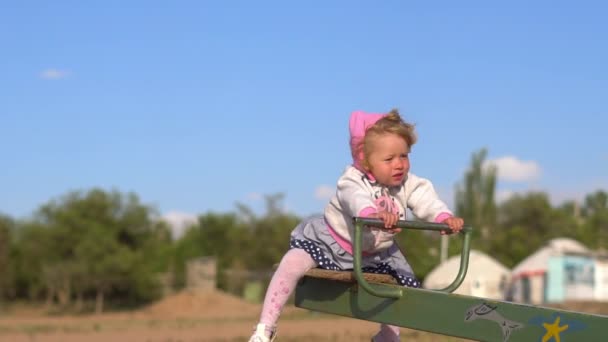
x,y
441,312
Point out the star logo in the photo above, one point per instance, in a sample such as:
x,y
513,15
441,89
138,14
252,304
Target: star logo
x,y
553,330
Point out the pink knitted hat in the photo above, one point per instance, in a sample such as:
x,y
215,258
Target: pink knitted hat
x,y
358,124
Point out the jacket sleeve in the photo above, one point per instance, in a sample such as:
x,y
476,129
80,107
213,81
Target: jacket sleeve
x,y
423,200
353,196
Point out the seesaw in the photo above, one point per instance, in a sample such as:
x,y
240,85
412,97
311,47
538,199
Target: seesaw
x,y
378,298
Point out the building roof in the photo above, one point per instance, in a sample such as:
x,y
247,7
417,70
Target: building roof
x,y
537,262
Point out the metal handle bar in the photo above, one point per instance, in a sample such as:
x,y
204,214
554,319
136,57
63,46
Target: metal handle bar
x,y
391,292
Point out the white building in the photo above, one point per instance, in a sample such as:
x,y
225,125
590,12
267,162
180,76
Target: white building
x,y
600,292
486,277
561,270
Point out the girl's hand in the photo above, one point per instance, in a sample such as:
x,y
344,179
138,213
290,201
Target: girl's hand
x,y
389,220
455,224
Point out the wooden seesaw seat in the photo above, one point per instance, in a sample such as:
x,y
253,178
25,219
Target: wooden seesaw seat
x,y
350,276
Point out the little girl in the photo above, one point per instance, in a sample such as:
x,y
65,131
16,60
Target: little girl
x,y
378,184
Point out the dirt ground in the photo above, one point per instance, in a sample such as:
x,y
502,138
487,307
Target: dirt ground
x,y
203,317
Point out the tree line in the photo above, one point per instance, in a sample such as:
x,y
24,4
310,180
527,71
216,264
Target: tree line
x,y
93,249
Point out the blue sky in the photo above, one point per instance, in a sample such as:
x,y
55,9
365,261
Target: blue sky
x,y
195,105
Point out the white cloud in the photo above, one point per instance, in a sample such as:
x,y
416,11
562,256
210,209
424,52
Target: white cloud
x,y
54,74
324,192
503,195
254,196
179,222
515,170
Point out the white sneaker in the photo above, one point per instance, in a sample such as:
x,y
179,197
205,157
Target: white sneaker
x,y
259,334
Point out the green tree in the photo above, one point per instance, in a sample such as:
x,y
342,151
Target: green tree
x,y
525,223
6,226
215,235
595,213
106,243
474,198
568,214
34,248
242,243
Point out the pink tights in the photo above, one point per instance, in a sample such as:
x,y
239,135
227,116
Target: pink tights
x,y
292,267
387,333
295,263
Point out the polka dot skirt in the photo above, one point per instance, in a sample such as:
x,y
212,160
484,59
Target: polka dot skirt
x,y
315,252
325,263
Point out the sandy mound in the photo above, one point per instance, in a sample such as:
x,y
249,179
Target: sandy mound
x,y
205,304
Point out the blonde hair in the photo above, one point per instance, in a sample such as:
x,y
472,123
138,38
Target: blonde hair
x,y
392,123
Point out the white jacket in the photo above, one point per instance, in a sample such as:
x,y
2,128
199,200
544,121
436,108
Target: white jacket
x,y
356,195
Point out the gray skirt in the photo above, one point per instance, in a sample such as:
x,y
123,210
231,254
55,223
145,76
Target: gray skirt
x,y
312,235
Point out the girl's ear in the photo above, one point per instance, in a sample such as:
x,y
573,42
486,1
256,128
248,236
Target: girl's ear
x,y
366,165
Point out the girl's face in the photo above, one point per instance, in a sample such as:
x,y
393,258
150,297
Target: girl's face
x,y
389,159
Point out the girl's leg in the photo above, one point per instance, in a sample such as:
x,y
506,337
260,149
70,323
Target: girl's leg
x,y
387,333
292,267
396,265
